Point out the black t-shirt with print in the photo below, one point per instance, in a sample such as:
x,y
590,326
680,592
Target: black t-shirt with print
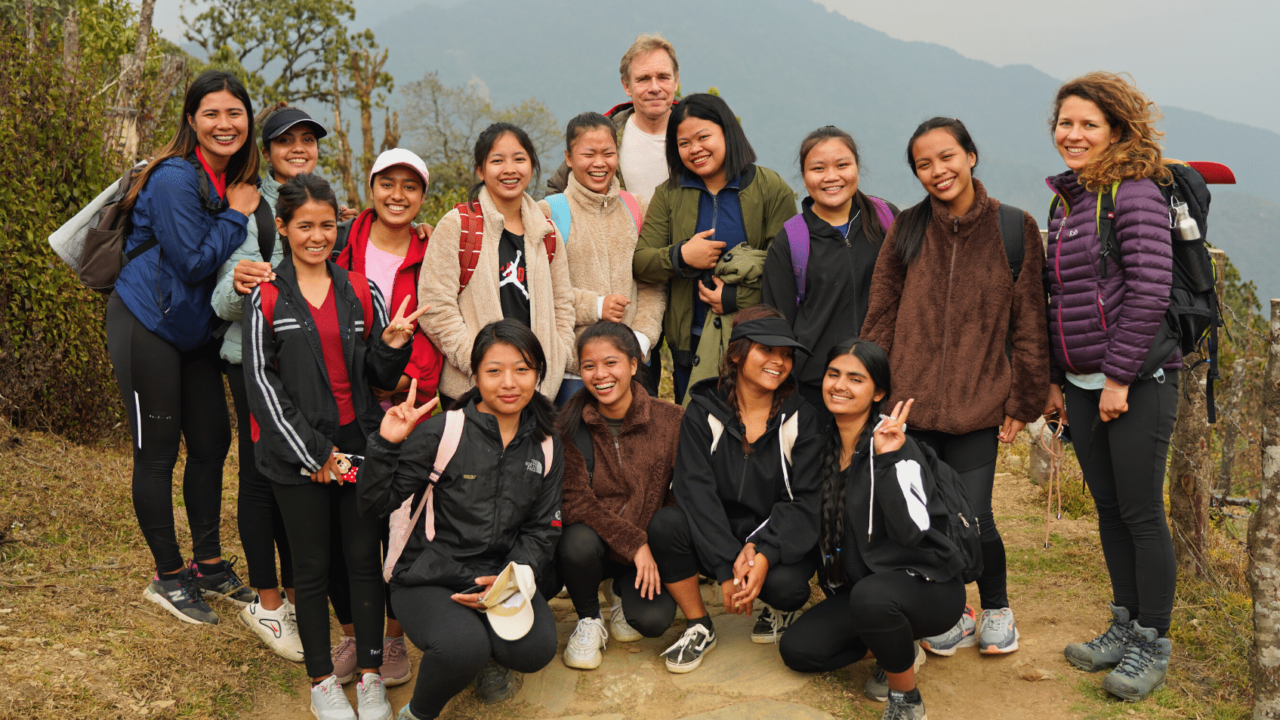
x,y
513,284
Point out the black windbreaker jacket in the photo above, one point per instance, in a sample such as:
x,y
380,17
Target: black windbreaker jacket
x,y
731,498
287,383
492,505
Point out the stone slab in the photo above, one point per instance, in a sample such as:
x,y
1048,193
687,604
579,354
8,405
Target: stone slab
x,y
738,667
552,687
772,709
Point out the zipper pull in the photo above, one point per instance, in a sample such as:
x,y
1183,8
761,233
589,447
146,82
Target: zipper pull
x,y
955,225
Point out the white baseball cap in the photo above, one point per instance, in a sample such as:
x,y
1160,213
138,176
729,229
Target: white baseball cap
x,y
400,156
508,604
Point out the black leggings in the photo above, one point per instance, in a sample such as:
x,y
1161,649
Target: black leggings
x,y
170,397
305,508
1124,462
261,525
785,588
582,562
883,613
340,590
457,641
973,456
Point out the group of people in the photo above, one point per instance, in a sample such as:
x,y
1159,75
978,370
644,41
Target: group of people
x,y
800,344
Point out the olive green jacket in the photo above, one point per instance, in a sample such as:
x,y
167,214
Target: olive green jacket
x,y
743,268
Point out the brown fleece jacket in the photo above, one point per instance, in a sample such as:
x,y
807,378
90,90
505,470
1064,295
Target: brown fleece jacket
x,y
632,476
945,319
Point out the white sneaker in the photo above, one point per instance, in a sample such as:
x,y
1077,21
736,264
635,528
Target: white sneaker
x,y
618,627
277,628
585,644
371,698
328,702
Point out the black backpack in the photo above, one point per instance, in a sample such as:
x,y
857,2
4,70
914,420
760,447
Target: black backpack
x,y
962,523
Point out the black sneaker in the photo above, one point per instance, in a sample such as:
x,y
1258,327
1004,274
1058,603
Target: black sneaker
x,y
899,708
495,683
224,585
771,625
181,597
687,653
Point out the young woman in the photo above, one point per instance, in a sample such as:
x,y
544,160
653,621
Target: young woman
x,y
317,338
747,491
891,574
965,340
716,200
608,503
513,275
497,502
844,228
290,146
383,245
159,334
603,224
1102,327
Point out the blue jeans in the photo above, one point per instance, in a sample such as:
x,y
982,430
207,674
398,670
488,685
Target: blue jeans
x,y
568,387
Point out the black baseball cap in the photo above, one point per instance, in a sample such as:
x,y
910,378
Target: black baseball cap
x,y
281,121
771,332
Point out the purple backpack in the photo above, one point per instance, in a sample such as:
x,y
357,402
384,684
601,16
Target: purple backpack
x,y
798,238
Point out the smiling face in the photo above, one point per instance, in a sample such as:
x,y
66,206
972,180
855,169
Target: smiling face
x,y
652,84
292,153
945,169
847,388
765,368
831,176
594,159
222,127
397,195
1082,132
607,373
701,146
506,381
311,232
506,170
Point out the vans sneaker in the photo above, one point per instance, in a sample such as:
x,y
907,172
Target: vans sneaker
x,y
371,698
328,702
900,708
277,628
180,596
997,632
585,644
395,662
1106,650
771,624
687,653
495,683
225,584
877,686
344,659
1143,668
618,628
962,634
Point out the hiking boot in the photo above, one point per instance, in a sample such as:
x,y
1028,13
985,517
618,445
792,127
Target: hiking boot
x,y
771,625
277,628
1106,650
899,708
997,632
1142,669
585,644
371,698
344,659
328,702
687,653
225,584
395,662
962,634
619,630
495,683
180,596
877,686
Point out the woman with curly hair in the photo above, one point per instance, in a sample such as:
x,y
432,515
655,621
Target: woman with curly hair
x,y
1103,318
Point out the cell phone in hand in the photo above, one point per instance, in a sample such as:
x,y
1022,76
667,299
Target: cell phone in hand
x,y
474,590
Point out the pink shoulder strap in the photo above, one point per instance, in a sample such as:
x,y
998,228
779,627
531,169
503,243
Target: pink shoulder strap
x,y
633,206
548,453
453,422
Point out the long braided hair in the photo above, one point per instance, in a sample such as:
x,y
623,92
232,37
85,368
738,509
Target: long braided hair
x,y
731,365
876,362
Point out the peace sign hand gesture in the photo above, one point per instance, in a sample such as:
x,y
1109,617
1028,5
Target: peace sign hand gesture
x,y
400,330
403,418
892,431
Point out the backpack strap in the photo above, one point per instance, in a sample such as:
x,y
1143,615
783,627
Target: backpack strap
x,y
266,230
1106,216
454,420
549,242
633,207
267,294
560,214
582,441
1011,235
344,237
798,240
360,284
883,213
472,221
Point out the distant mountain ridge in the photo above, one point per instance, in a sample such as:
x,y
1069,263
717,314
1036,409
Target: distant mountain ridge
x,y
787,67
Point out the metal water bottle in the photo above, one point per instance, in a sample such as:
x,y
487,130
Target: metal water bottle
x,y
1186,225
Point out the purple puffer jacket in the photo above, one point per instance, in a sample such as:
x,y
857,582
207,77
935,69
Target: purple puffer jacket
x,y
1107,324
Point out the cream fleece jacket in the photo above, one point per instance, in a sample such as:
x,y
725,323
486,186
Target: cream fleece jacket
x,y
600,246
454,319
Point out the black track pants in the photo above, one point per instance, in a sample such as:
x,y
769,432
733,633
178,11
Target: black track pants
x,y
582,562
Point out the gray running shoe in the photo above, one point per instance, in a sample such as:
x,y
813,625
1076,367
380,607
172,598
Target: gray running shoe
x,y
395,662
877,686
224,585
1106,650
181,597
962,634
371,698
1143,668
771,625
899,709
495,683
997,632
328,702
687,652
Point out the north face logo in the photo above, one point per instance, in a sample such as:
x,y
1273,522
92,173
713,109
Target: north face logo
x,y
534,466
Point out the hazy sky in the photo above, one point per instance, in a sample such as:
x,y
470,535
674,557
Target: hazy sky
x,y
1217,57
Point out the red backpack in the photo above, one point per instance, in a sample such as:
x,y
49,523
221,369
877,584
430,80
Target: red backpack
x,y
472,221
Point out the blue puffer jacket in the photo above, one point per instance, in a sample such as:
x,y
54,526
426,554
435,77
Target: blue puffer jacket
x,y
168,288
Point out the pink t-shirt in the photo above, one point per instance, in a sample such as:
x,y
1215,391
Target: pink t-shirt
x,y
380,266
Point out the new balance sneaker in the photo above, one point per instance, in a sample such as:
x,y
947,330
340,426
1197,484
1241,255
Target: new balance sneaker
x,y
277,628
687,653
877,686
904,707
344,659
225,584
1143,668
328,702
1106,650
180,596
997,632
495,683
395,662
962,634
585,644
771,624
371,698
619,630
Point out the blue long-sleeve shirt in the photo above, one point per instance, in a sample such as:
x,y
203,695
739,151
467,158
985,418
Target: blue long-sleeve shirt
x,y
722,211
